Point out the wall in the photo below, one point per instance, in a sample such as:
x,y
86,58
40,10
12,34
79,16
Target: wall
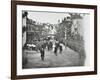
x,y
5,40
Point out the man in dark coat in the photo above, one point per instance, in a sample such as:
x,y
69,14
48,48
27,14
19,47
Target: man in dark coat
x,y
56,47
42,53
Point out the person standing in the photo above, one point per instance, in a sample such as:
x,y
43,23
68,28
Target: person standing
x,y
42,52
56,47
60,47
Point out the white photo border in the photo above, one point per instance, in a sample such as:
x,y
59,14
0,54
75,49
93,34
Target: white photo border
x,y
35,71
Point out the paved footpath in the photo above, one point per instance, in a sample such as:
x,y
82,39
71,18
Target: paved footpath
x,y
67,58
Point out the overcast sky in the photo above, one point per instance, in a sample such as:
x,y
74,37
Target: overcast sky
x,y
46,17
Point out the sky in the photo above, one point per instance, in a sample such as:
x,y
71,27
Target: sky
x,y
46,17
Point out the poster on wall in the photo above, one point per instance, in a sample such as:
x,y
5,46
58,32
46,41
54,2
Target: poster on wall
x,y
53,39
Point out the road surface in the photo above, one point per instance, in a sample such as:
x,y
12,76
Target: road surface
x,y
67,58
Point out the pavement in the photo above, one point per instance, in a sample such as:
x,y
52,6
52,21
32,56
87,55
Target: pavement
x,y
66,59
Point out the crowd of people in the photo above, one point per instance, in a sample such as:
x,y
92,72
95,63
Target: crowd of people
x,y
50,45
44,45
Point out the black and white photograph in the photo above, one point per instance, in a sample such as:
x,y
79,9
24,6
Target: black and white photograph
x,y
53,39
